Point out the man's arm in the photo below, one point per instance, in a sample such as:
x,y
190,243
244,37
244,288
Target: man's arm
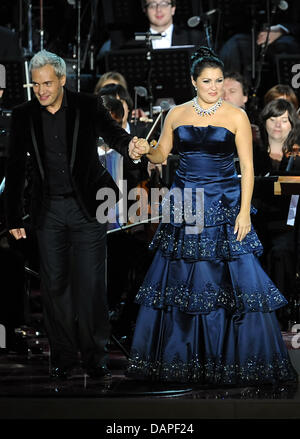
x,y
277,31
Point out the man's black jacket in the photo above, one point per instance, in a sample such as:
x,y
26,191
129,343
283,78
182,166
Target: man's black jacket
x,y
87,119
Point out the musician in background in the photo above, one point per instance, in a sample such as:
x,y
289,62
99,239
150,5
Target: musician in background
x,y
282,91
235,89
160,15
140,173
283,38
274,221
110,78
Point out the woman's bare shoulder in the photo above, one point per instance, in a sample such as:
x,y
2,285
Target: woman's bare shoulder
x,y
179,110
235,111
234,114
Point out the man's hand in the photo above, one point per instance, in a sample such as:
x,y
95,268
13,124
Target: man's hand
x,y
137,148
18,233
275,33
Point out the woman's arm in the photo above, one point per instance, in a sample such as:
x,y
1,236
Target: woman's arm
x,y
243,140
165,143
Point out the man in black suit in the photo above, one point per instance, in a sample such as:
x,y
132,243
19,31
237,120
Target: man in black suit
x,y
160,17
282,39
60,129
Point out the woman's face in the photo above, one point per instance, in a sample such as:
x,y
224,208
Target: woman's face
x,y
278,127
209,85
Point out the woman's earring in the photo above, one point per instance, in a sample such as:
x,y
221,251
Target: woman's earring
x,y
195,88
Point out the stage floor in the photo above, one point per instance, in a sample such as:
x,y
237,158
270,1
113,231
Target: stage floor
x,y
27,393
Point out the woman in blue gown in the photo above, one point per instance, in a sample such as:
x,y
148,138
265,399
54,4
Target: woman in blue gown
x,y
207,308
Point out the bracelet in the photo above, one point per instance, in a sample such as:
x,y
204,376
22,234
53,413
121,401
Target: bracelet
x,y
154,144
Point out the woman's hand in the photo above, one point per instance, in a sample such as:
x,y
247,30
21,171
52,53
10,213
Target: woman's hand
x,y
242,226
138,147
141,147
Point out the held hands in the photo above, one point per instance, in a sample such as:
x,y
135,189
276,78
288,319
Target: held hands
x,y
242,226
138,147
18,233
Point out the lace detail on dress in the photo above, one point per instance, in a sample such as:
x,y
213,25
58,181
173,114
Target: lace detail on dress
x,y
212,243
211,297
217,371
174,211
219,213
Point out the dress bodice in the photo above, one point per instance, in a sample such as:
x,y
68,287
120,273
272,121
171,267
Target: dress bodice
x,y
205,152
206,138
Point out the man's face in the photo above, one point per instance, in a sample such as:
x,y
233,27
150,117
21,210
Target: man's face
x,y
48,87
160,13
233,92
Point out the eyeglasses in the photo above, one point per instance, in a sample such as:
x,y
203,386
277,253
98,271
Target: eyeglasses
x,y
154,5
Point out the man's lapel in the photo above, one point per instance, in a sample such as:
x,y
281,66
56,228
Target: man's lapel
x,y
72,122
36,131
72,125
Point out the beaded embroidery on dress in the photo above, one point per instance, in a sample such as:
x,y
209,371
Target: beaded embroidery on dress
x,y
207,310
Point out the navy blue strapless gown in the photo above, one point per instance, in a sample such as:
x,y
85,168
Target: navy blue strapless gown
x,y
207,307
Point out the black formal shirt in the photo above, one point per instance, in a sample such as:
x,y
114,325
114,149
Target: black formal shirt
x,y
56,161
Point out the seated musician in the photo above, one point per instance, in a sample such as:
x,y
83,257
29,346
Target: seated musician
x,y
160,17
280,127
282,91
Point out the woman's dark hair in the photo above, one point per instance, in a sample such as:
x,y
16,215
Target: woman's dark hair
x,y
117,90
203,58
114,106
277,108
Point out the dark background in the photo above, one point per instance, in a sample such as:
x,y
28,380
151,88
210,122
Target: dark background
x,y
60,19
103,19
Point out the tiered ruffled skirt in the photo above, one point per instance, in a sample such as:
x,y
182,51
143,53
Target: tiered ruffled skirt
x,y
207,312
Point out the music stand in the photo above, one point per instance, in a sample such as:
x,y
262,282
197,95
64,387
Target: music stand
x,y
14,92
287,185
171,71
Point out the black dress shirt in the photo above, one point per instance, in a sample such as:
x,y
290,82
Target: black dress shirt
x,y
56,161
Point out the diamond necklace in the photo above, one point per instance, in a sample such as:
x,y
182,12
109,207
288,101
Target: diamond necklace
x,y
206,111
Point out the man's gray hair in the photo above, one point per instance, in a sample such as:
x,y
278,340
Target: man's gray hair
x,y
43,58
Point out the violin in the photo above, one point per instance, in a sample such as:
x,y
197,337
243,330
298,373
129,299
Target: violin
x,y
292,155
295,152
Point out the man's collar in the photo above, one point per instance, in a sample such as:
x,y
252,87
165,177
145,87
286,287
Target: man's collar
x,y
166,31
